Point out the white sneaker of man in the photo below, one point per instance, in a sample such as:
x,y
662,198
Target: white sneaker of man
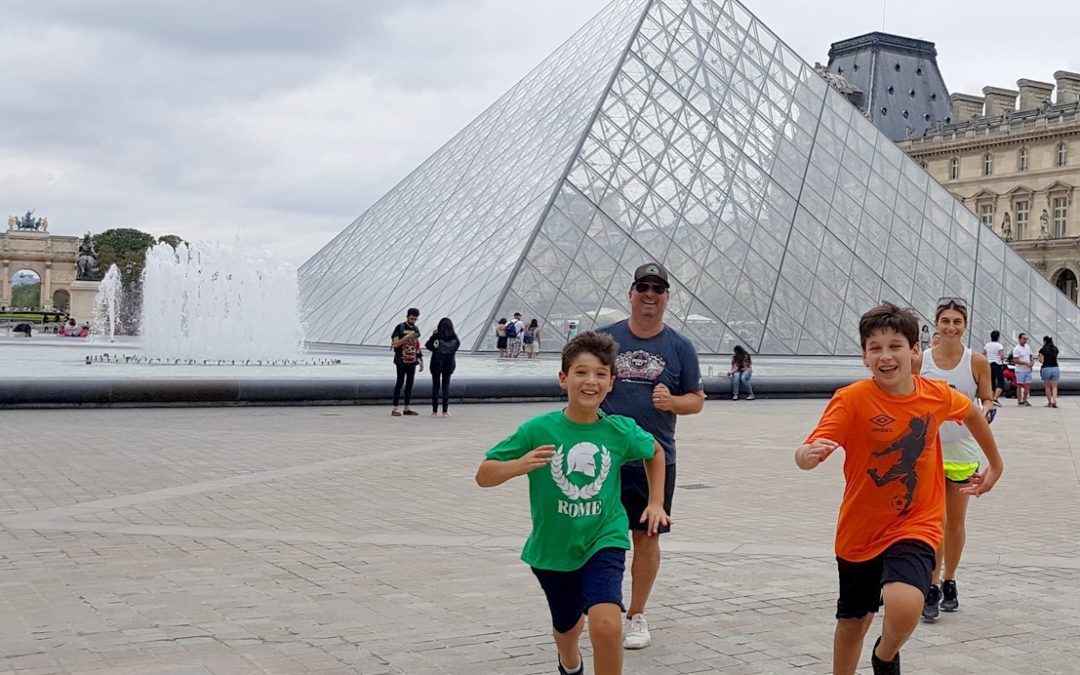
x,y
636,635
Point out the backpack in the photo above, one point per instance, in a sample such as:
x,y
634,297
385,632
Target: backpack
x,y
511,329
528,337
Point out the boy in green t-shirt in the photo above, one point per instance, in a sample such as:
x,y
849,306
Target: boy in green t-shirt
x,y
577,548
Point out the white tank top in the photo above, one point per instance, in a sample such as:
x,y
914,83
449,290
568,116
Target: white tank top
x,y
957,445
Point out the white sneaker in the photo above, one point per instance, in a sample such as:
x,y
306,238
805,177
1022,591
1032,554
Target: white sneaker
x,y
636,635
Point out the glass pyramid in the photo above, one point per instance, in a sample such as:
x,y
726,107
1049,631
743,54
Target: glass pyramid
x,y
683,132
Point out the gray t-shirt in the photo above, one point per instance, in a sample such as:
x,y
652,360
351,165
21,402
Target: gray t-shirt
x,y
667,358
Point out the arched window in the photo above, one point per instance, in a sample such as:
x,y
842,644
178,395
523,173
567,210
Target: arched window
x,y
988,164
1062,153
1025,159
954,168
1065,280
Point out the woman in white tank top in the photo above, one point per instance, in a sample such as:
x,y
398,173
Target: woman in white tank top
x,y
969,373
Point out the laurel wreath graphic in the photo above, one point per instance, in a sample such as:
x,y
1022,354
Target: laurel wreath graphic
x,y
585,491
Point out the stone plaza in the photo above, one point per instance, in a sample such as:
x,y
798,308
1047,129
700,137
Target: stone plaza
x,y
341,540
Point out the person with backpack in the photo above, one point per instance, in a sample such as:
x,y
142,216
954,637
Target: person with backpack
x,y
405,341
514,329
530,339
443,345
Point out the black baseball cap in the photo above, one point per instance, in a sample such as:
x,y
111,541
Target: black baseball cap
x,y
651,270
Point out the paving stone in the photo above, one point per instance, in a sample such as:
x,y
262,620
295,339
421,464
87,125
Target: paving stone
x,y
285,540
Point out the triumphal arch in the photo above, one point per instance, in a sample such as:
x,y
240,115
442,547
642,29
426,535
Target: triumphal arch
x,y
27,245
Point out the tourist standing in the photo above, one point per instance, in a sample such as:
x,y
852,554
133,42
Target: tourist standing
x,y
657,378
1022,364
500,337
405,340
994,351
924,337
443,345
514,331
742,369
530,340
1049,371
968,373
894,501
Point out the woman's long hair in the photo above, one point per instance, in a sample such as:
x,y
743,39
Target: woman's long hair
x,y
1048,341
445,331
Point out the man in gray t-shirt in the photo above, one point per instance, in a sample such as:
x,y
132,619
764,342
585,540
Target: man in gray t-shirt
x,y
657,378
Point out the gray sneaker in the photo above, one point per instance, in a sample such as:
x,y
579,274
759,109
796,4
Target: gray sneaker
x,y
949,601
931,610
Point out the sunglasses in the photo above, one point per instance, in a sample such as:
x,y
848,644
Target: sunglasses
x,y
645,287
958,302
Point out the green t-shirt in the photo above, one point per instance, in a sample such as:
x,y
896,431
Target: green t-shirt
x,y
576,500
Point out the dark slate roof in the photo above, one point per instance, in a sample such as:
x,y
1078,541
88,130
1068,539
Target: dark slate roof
x,y
899,76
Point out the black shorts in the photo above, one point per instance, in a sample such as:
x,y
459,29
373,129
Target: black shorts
x,y
997,376
500,342
908,561
635,495
572,594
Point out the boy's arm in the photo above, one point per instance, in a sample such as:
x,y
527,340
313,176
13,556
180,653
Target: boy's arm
x,y
494,472
833,424
980,430
809,455
654,513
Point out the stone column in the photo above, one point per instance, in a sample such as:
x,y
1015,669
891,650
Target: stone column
x,y
46,287
5,285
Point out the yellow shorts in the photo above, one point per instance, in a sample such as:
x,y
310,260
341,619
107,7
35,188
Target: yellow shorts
x,y
960,472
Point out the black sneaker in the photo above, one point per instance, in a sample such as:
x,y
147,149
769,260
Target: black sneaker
x,y
884,667
930,609
949,601
580,670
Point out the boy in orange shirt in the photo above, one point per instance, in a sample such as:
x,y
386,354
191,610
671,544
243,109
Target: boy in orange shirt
x,y
891,515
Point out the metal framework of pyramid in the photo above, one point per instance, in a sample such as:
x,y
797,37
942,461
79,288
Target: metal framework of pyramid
x,y
684,132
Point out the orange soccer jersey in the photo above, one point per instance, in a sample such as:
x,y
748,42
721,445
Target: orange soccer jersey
x,y
892,463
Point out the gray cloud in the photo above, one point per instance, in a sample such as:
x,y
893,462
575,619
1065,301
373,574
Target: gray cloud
x,y
283,121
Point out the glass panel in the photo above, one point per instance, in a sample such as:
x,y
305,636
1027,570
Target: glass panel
x,y
716,151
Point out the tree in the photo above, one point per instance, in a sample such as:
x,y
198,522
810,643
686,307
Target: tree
x,y
170,239
125,248
26,295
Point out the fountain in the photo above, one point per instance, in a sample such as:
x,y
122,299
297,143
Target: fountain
x,y
206,301
107,305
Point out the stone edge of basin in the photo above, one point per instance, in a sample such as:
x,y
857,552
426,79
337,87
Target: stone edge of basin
x,y
120,392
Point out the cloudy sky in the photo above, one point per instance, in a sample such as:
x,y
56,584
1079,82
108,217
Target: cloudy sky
x,y
280,122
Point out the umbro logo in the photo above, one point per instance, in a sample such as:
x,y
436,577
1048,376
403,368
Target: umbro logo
x,y
881,420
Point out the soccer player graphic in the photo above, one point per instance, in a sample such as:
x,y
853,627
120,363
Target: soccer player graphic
x,y
910,446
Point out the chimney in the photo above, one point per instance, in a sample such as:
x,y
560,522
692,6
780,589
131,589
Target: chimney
x,y
1068,86
1033,94
965,107
999,100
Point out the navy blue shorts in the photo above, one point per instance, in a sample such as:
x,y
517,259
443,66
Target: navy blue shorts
x,y
570,595
635,495
908,561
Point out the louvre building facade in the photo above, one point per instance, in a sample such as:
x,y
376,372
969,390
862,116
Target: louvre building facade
x,y
684,132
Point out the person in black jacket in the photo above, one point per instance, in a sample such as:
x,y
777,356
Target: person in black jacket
x,y
443,345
